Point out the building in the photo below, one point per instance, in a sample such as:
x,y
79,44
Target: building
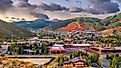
x,y
106,50
75,63
77,45
57,49
4,49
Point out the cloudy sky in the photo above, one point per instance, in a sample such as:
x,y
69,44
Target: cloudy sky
x,y
60,9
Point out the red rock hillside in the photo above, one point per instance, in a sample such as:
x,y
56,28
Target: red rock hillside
x,y
75,26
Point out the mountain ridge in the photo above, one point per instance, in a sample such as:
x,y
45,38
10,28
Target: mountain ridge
x,y
90,22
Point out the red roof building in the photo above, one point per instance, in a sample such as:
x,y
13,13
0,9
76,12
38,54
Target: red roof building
x,y
57,49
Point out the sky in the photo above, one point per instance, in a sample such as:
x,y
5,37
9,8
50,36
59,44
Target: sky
x,y
84,4
68,3
58,9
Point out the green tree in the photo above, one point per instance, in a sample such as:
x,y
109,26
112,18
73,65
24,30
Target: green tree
x,y
111,56
93,57
115,61
89,63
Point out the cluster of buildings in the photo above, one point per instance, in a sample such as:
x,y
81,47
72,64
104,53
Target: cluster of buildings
x,y
68,48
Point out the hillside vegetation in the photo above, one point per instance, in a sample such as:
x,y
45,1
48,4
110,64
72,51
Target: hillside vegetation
x,y
36,24
8,30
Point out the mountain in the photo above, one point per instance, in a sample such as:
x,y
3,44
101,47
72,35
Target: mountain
x,y
69,24
92,23
113,21
58,24
36,24
8,30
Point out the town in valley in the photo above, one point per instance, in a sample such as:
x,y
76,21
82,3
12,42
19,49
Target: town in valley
x,y
60,34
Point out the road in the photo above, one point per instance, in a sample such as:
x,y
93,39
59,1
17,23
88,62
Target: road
x,y
105,63
30,56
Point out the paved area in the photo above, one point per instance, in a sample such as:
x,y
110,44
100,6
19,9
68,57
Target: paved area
x,y
30,56
105,63
38,61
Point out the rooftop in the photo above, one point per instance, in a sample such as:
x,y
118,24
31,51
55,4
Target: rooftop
x,y
75,60
58,45
80,44
56,48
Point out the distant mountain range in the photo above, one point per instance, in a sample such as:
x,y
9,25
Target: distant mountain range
x,y
88,22
105,26
8,30
36,24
